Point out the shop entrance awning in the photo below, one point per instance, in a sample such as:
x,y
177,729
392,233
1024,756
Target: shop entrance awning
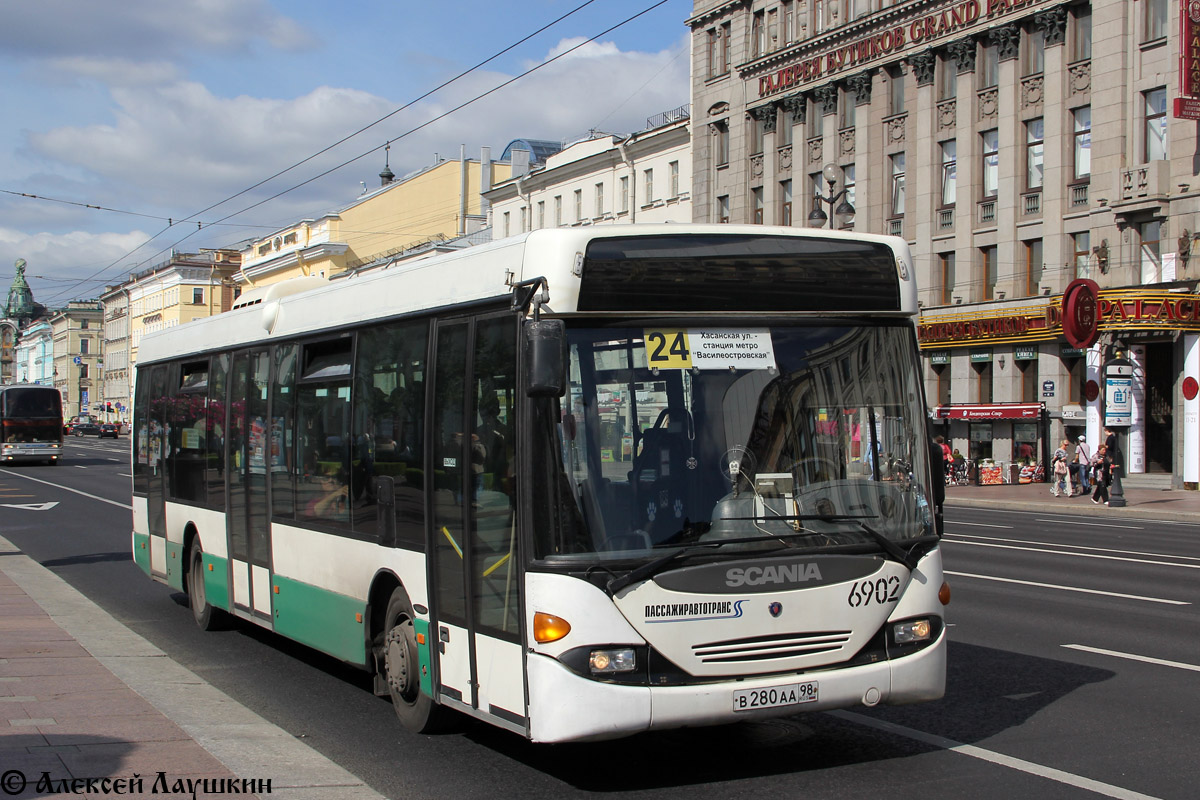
x,y
989,411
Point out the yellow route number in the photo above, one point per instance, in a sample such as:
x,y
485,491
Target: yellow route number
x,y
668,349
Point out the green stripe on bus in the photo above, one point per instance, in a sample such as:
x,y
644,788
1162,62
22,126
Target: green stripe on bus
x,y
319,618
216,580
141,551
421,628
175,565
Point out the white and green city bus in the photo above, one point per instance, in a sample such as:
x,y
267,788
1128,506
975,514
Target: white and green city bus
x,y
578,483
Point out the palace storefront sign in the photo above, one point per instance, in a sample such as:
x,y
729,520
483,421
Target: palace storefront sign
x,y
1187,104
950,19
1115,310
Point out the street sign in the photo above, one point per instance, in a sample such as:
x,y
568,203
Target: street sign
x,y
78,360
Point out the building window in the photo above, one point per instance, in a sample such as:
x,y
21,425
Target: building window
x,y
859,8
599,199
785,202
949,172
848,185
816,188
987,270
758,35
673,174
558,210
541,214
726,36
988,66
773,29
506,221
83,371
723,208
1081,244
947,78
757,135
1034,267
849,104
1076,380
787,33
1149,233
1156,125
991,162
756,199
1082,119
721,145
1034,154
579,205
197,297
941,374
1081,38
1029,381
83,324
1155,21
898,185
83,346
524,220
947,264
783,130
648,185
895,91
624,194
1035,52
818,12
983,383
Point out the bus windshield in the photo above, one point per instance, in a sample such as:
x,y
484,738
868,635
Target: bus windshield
x,y
30,414
758,437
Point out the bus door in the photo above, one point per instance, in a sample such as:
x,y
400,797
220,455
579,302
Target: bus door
x,y
474,564
246,465
156,463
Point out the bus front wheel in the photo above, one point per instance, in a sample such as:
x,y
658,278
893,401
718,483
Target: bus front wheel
x,y
401,667
204,614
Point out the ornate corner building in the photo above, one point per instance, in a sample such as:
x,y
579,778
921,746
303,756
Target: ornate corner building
x,y
1018,145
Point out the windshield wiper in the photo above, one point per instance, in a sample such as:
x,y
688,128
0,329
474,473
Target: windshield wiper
x,y
651,568
889,546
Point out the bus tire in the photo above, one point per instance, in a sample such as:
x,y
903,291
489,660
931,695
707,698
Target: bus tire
x,y
401,668
205,615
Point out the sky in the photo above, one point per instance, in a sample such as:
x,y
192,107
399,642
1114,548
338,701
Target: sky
x,y
142,126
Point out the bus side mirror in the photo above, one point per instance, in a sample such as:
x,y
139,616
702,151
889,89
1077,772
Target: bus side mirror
x,y
546,357
937,473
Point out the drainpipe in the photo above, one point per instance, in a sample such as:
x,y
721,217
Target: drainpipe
x,y
462,190
623,148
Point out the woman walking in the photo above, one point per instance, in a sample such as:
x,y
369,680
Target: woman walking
x,y
1059,470
1104,466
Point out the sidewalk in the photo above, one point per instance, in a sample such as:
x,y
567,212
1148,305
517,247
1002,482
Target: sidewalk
x,y
84,699
1170,504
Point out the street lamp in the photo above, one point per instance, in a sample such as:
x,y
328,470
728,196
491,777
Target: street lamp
x,y
844,211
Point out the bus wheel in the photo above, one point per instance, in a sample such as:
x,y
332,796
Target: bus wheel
x,y
204,614
402,666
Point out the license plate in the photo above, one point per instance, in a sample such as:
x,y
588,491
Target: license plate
x,y
793,694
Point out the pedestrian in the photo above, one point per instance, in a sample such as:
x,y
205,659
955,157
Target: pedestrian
x,y
947,458
1083,454
1104,467
1059,470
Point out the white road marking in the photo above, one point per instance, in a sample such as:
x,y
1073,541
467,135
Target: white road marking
x,y
67,489
79,466
1134,657
1068,588
991,756
1091,524
1080,547
1081,555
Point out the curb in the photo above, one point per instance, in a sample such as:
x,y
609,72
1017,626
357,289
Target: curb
x,y
1082,508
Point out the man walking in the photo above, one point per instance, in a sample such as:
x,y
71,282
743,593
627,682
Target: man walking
x,y
1083,458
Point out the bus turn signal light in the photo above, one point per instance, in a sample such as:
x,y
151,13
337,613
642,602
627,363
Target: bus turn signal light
x,y
944,594
549,628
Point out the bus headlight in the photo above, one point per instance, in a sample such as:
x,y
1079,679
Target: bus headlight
x,y
914,630
617,660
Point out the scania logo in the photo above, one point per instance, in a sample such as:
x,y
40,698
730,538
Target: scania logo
x,y
775,609
776,573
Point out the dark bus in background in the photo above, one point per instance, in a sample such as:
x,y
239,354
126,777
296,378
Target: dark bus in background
x,y
31,423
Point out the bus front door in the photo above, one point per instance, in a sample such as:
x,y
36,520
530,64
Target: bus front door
x,y
474,563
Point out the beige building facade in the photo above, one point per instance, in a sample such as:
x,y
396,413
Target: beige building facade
x,y
435,204
78,354
1018,145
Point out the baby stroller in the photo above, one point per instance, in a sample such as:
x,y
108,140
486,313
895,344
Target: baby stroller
x,y
962,472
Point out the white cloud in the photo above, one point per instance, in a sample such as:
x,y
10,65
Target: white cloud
x,y
67,257
116,71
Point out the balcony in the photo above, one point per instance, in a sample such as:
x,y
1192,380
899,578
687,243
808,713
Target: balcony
x,y
1031,204
1149,182
945,219
1079,195
987,212
896,226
